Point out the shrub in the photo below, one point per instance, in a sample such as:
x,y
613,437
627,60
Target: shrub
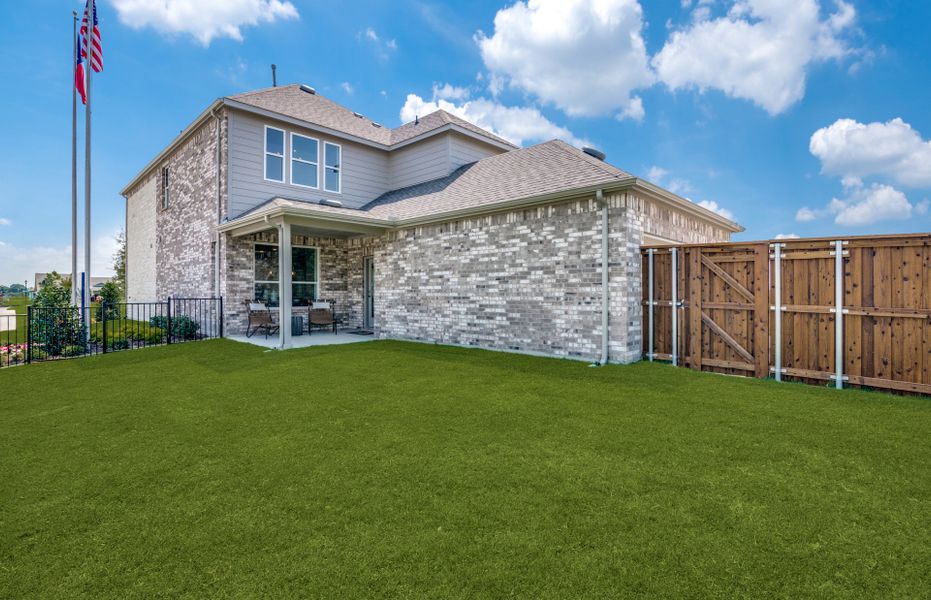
x,y
110,297
73,350
181,327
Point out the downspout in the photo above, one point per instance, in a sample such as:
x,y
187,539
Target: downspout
x,y
605,296
216,236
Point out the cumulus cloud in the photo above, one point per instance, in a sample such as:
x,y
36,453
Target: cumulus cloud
x,y
347,87
854,150
786,236
661,177
586,57
5,221
21,263
204,20
517,124
382,47
450,92
760,50
716,208
865,205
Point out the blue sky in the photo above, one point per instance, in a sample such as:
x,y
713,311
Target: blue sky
x,y
804,117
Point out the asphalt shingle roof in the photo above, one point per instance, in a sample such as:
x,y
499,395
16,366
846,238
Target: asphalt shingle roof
x,y
546,168
292,101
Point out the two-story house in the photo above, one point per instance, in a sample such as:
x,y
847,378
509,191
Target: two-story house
x,y
436,230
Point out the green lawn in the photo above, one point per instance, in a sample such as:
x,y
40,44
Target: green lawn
x,y
387,469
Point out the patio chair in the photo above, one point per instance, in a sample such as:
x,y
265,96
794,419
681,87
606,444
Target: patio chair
x,y
321,316
260,318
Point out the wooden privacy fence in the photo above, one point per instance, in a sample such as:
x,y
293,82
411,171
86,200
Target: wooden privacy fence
x,y
853,311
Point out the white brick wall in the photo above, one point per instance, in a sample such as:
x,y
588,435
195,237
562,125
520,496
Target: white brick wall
x,y
140,243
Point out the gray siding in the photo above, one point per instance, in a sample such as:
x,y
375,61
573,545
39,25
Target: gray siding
x,y
365,169
419,162
464,150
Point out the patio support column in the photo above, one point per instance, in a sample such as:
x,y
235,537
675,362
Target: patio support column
x,y
284,282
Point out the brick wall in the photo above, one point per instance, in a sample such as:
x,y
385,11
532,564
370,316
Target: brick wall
x,y
526,280
186,229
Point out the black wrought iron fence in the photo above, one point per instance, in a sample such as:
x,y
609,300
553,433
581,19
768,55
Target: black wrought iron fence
x,y
53,333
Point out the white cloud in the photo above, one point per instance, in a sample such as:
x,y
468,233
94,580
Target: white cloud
x,y
787,236
383,47
21,263
517,124
716,208
805,215
584,56
865,206
347,87
450,92
203,20
660,176
5,221
892,149
760,50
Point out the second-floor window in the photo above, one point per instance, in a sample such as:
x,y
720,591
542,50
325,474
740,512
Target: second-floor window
x,y
332,169
304,161
165,196
274,154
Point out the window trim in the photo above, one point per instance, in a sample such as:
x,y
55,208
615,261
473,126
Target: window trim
x,y
339,169
165,181
316,283
266,153
306,162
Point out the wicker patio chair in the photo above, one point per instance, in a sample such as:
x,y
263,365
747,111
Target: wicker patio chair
x,y
260,318
321,316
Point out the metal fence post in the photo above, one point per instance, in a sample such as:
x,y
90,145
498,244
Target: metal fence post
x,y
221,316
777,309
103,315
169,320
29,334
839,314
650,253
675,307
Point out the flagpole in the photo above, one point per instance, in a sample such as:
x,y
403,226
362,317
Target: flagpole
x,y
74,164
89,44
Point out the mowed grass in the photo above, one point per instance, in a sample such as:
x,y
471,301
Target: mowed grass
x,y
388,469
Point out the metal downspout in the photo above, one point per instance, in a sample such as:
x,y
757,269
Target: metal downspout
x,y
605,295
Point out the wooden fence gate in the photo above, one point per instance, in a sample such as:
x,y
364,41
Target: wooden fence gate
x,y
855,311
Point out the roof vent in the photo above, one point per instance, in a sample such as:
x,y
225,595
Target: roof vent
x,y
358,115
374,124
308,89
592,152
328,202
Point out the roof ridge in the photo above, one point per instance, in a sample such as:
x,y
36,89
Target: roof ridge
x,y
603,165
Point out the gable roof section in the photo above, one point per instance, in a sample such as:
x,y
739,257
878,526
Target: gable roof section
x,y
546,168
530,176
292,101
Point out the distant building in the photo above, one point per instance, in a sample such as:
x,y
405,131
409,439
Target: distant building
x,y
96,282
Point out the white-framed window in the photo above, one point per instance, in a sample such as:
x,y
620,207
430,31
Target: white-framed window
x,y
305,159
332,167
304,274
165,193
274,154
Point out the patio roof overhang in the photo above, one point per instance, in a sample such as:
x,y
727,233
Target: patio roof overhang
x,y
323,220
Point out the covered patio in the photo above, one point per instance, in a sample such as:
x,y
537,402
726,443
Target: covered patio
x,y
294,258
320,338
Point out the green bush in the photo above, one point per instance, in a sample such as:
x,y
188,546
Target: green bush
x,y
119,343
181,327
73,350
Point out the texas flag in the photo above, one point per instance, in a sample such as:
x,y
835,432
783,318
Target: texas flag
x,y
79,76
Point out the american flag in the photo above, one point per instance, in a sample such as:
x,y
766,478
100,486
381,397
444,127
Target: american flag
x,y
96,60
